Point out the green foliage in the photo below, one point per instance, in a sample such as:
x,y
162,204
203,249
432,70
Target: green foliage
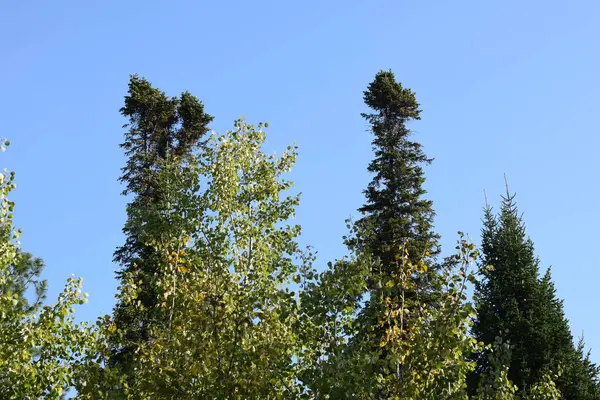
x,y
425,350
545,390
422,353
329,365
514,303
227,311
164,135
43,352
395,215
494,383
396,218
429,345
218,300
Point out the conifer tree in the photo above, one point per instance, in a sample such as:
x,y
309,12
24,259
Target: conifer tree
x,y
517,306
396,213
397,219
164,132
396,223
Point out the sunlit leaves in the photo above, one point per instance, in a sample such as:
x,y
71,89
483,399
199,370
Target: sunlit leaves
x,y
43,352
229,316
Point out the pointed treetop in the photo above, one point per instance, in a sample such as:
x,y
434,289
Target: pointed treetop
x,y
506,186
487,204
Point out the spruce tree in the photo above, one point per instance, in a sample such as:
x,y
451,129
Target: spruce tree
x,y
394,233
164,132
396,218
517,306
395,213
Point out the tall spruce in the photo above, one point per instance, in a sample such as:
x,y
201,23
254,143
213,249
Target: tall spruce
x,y
164,133
517,306
396,213
394,233
396,216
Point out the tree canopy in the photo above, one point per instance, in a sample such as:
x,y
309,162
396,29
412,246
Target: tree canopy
x,y
217,299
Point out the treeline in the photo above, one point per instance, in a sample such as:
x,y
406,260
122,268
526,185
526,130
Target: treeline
x,y
217,300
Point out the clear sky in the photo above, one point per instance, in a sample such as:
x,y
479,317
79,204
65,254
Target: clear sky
x,y
505,87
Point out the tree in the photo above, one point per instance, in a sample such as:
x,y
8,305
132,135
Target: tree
x,y
25,270
43,352
427,346
163,133
25,274
395,214
395,218
495,385
229,331
522,309
331,362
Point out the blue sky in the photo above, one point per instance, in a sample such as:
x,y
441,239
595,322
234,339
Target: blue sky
x,y
506,87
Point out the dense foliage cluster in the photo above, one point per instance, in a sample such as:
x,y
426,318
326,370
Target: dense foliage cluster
x,y
217,300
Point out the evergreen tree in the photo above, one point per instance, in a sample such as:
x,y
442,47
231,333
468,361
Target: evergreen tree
x,y
521,309
395,214
164,132
396,218
396,221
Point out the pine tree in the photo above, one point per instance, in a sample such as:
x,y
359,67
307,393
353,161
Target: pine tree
x,y
163,133
516,305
